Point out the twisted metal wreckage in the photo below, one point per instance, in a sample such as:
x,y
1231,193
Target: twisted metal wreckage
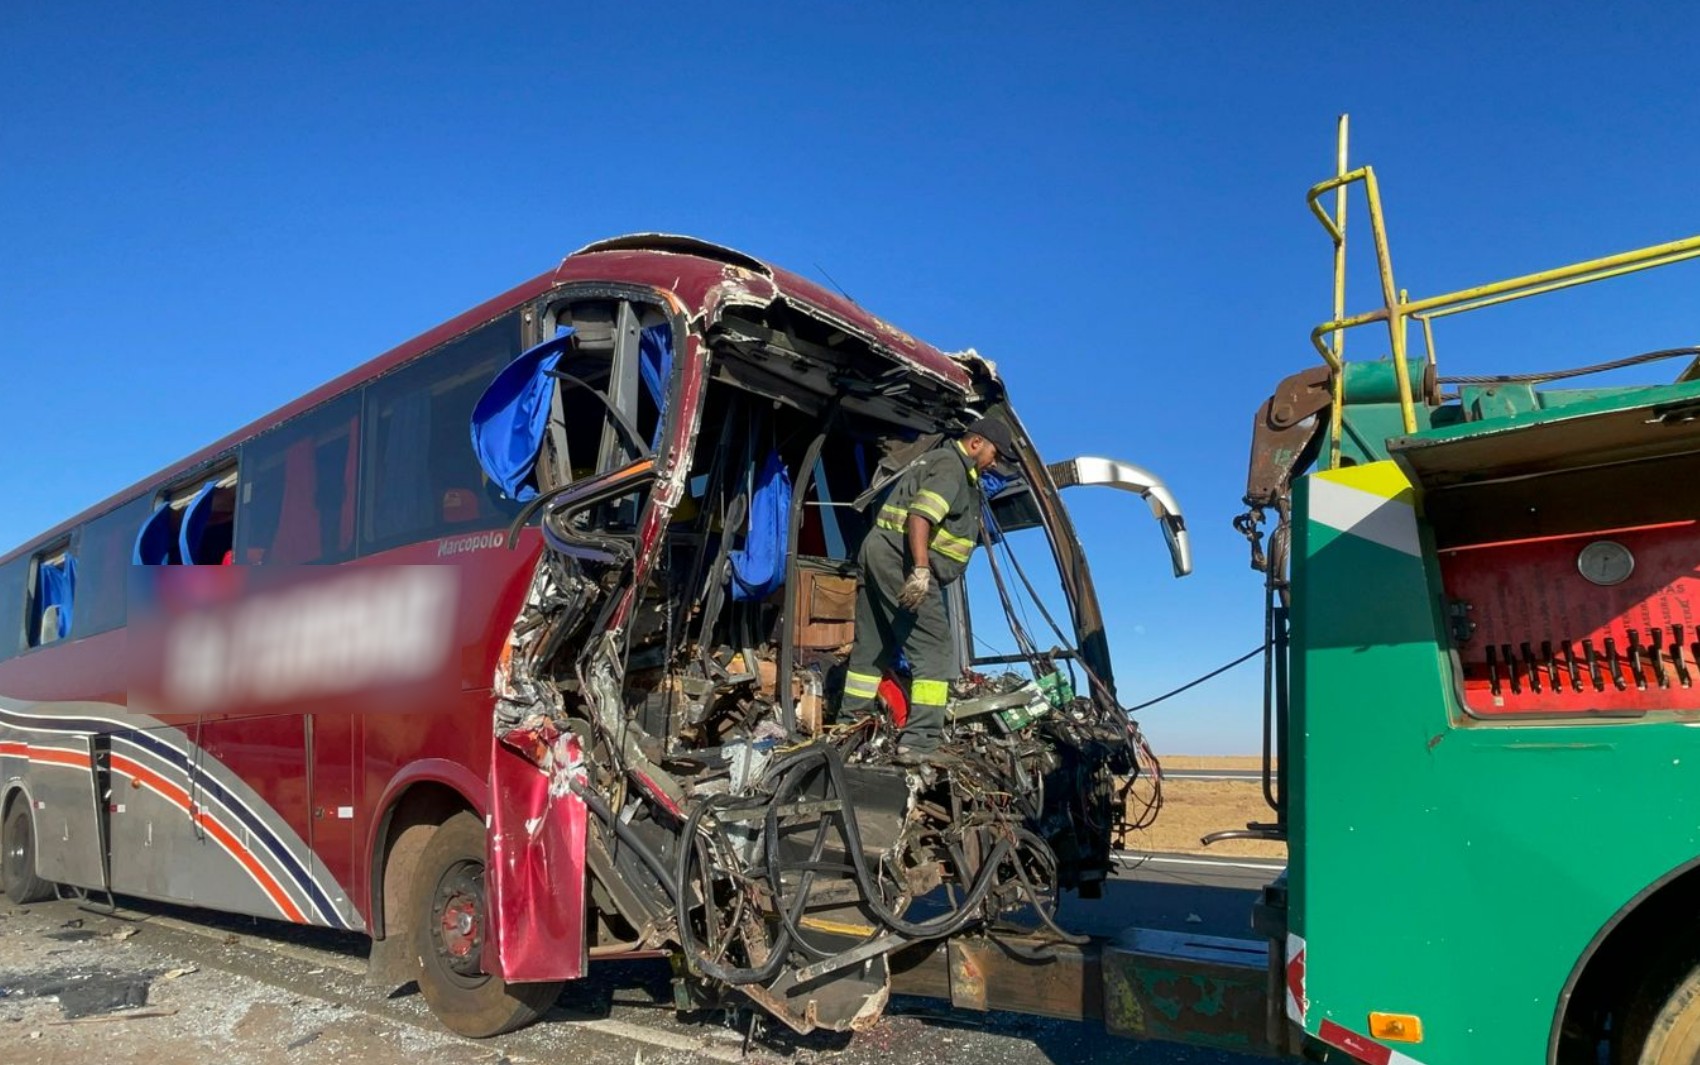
x,y
684,700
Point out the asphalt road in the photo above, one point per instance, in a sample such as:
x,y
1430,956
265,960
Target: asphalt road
x,y
623,1013
1177,893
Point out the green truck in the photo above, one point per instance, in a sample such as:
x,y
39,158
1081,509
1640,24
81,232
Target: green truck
x,y
1483,719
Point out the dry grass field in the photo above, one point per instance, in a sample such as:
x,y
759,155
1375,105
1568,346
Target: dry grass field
x,y
1195,808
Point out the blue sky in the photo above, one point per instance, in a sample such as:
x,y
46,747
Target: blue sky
x,y
205,210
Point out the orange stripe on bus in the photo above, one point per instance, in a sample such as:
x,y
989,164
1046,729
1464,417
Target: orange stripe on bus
x,y
180,798
48,755
165,788
53,756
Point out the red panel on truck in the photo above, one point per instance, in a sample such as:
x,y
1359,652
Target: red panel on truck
x,y
1601,622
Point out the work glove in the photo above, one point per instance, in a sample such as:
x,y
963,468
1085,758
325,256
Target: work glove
x,y
915,589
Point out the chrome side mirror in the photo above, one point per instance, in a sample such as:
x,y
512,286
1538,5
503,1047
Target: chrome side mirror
x,y
1141,482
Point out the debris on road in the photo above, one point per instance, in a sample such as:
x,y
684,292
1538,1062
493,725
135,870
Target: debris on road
x,y
281,989
133,1015
82,992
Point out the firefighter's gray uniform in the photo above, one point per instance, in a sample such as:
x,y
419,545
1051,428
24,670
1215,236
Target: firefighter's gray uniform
x,y
942,486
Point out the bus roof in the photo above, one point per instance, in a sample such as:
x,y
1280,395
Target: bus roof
x,y
705,278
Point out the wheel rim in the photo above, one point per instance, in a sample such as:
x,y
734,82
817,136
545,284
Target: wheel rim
x,y
17,849
457,923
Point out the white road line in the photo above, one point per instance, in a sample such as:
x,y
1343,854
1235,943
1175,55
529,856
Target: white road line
x,y
658,1038
1208,863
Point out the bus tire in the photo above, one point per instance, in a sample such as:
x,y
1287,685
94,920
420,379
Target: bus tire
x,y
448,927
17,857
1673,1036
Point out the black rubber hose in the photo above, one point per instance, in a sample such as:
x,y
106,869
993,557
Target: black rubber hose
x,y
1032,892
717,934
687,941
946,925
530,510
792,914
788,769
594,803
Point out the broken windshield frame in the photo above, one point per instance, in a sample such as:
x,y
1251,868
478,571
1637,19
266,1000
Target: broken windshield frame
x,y
1091,644
809,374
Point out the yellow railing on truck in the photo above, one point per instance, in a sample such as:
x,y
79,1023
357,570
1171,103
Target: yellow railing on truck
x,y
1397,308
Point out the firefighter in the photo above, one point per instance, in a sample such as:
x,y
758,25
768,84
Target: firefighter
x,y
923,535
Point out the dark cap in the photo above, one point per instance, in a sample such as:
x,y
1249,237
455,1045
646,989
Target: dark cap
x,y
997,434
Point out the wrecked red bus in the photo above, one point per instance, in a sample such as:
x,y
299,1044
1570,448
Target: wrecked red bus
x,y
510,652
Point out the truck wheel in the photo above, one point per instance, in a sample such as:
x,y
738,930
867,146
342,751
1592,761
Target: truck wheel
x,y
1674,1035
449,923
17,857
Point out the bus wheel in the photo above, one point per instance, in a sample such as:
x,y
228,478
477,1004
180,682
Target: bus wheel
x,y
17,857
1674,1036
449,925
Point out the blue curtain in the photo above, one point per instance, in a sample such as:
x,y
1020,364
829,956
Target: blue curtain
x,y
759,566
155,546
56,585
991,483
655,367
510,418
194,524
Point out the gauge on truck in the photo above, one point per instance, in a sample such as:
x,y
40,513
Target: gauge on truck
x,y
1605,562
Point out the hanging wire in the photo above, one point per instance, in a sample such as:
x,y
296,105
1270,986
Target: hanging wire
x,y
1189,685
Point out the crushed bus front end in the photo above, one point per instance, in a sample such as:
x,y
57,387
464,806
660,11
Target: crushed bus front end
x,y
694,466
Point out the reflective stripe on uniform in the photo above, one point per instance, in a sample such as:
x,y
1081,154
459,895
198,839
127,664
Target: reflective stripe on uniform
x,y
930,505
973,469
929,692
892,518
861,685
952,547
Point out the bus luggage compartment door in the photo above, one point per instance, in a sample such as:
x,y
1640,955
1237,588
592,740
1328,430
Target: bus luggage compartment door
x,y
69,847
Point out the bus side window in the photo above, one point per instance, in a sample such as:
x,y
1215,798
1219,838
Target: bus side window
x,y
52,590
104,550
14,594
192,524
422,478
296,501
